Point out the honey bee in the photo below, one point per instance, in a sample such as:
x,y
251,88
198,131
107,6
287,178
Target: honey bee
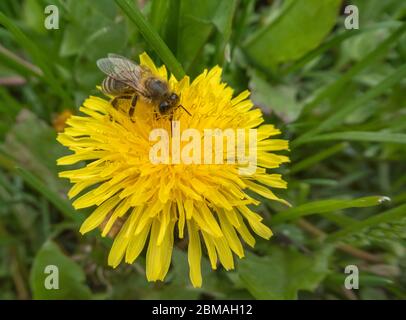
x,y
128,80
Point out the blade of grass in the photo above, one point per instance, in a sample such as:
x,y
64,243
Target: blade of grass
x,y
223,37
385,217
8,103
245,10
158,14
63,206
152,37
329,205
369,59
18,64
12,81
339,219
6,162
337,117
310,161
172,26
366,279
334,41
359,136
38,57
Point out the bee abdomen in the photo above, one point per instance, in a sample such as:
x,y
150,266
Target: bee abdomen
x,y
114,87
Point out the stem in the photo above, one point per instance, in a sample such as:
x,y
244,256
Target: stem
x,y
152,37
361,254
12,81
25,64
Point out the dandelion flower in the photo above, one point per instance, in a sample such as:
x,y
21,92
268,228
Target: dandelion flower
x,y
207,204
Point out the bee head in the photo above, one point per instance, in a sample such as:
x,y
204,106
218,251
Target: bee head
x,y
171,101
173,98
164,106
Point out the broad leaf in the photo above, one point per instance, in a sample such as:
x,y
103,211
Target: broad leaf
x,y
282,273
71,276
279,99
301,26
198,21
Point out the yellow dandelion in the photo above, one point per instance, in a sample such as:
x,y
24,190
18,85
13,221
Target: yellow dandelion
x,y
206,202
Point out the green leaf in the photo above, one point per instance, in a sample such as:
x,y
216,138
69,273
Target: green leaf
x,y
318,157
93,32
332,88
335,41
39,163
62,204
33,13
283,272
172,21
17,64
360,136
301,26
8,104
337,117
329,205
388,216
280,99
152,37
71,42
158,14
71,275
223,21
199,20
32,143
38,56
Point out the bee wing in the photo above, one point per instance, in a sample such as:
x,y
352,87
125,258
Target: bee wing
x,y
123,70
114,55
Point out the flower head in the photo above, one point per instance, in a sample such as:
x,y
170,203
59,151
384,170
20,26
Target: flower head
x,y
207,203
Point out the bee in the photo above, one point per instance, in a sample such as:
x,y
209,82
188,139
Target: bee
x,y
128,80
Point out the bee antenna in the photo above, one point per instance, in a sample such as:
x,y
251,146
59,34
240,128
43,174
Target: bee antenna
x,y
180,106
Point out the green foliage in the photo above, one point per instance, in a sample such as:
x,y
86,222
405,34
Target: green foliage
x,y
71,276
283,272
152,37
299,28
338,95
329,205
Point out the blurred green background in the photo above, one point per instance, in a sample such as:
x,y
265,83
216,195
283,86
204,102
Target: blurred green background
x,y
338,95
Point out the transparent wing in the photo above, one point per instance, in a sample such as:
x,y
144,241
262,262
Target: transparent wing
x,y
123,69
114,55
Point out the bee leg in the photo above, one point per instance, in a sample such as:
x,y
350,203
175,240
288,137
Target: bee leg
x,y
114,102
170,122
116,99
133,104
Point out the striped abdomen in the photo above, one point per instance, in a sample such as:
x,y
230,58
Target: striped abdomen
x,y
114,87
